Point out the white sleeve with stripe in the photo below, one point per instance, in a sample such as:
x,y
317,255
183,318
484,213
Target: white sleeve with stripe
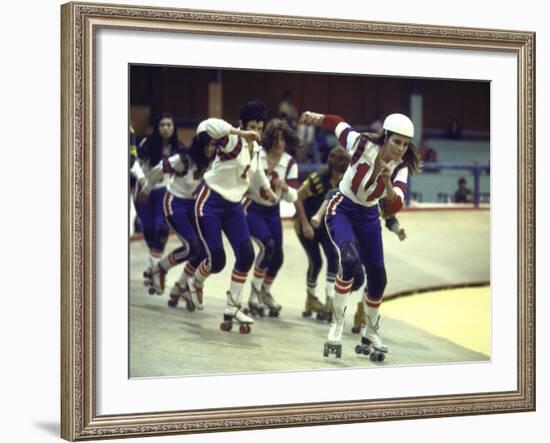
x,y
402,176
292,194
347,136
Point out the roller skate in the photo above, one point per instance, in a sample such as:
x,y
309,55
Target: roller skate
x,y
273,307
329,305
371,343
358,319
333,345
255,305
157,277
194,297
313,304
178,291
233,313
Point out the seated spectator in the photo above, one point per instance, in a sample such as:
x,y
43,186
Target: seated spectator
x,y
454,131
463,194
427,153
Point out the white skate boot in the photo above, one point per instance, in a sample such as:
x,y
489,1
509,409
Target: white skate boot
x,y
371,343
178,291
255,305
195,300
158,275
270,303
333,345
232,313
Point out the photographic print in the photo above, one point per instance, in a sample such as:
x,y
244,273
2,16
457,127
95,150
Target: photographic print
x,y
242,262
273,221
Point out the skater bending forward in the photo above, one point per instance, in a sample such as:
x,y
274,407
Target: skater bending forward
x,y
218,208
379,168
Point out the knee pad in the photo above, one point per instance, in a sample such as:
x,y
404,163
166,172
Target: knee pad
x,y
358,278
217,261
195,248
245,256
269,245
376,279
349,260
276,262
162,233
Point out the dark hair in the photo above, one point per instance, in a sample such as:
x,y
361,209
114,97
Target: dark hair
x,y
271,131
338,160
253,110
411,157
152,148
196,150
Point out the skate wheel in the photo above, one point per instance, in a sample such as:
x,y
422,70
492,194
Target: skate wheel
x,y
261,313
244,329
274,313
152,291
146,274
373,357
355,329
226,326
173,302
325,350
358,349
306,314
381,357
338,352
247,311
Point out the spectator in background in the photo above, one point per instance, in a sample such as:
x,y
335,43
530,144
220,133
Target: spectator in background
x,y
463,194
454,131
288,111
427,153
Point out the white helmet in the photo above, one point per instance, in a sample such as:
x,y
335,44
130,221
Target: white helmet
x,y
400,124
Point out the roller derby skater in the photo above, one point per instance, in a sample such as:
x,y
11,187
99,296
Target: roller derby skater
x,y
312,234
186,169
218,206
263,213
150,190
379,168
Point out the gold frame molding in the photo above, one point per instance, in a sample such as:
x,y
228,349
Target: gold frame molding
x,y
79,22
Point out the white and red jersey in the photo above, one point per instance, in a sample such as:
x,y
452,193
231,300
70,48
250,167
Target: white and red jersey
x,y
142,166
286,169
234,165
358,184
185,177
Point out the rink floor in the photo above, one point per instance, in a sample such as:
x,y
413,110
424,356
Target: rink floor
x,y
442,248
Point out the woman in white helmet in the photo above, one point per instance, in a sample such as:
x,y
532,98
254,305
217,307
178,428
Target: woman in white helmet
x,y
379,168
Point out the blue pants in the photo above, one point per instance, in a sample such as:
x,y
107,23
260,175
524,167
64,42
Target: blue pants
x,y
357,234
151,215
215,214
264,224
180,216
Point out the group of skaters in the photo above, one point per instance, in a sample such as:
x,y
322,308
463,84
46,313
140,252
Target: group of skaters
x,y
232,179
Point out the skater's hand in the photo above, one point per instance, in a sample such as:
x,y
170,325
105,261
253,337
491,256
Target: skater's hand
x,y
311,118
271,196
250,136
401,234
308,231
279,183
385,172
316,221
142,197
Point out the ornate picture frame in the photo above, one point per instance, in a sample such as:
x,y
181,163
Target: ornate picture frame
x,y
80,23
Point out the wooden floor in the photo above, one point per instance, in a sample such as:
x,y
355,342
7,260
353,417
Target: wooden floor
x,y
443,247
